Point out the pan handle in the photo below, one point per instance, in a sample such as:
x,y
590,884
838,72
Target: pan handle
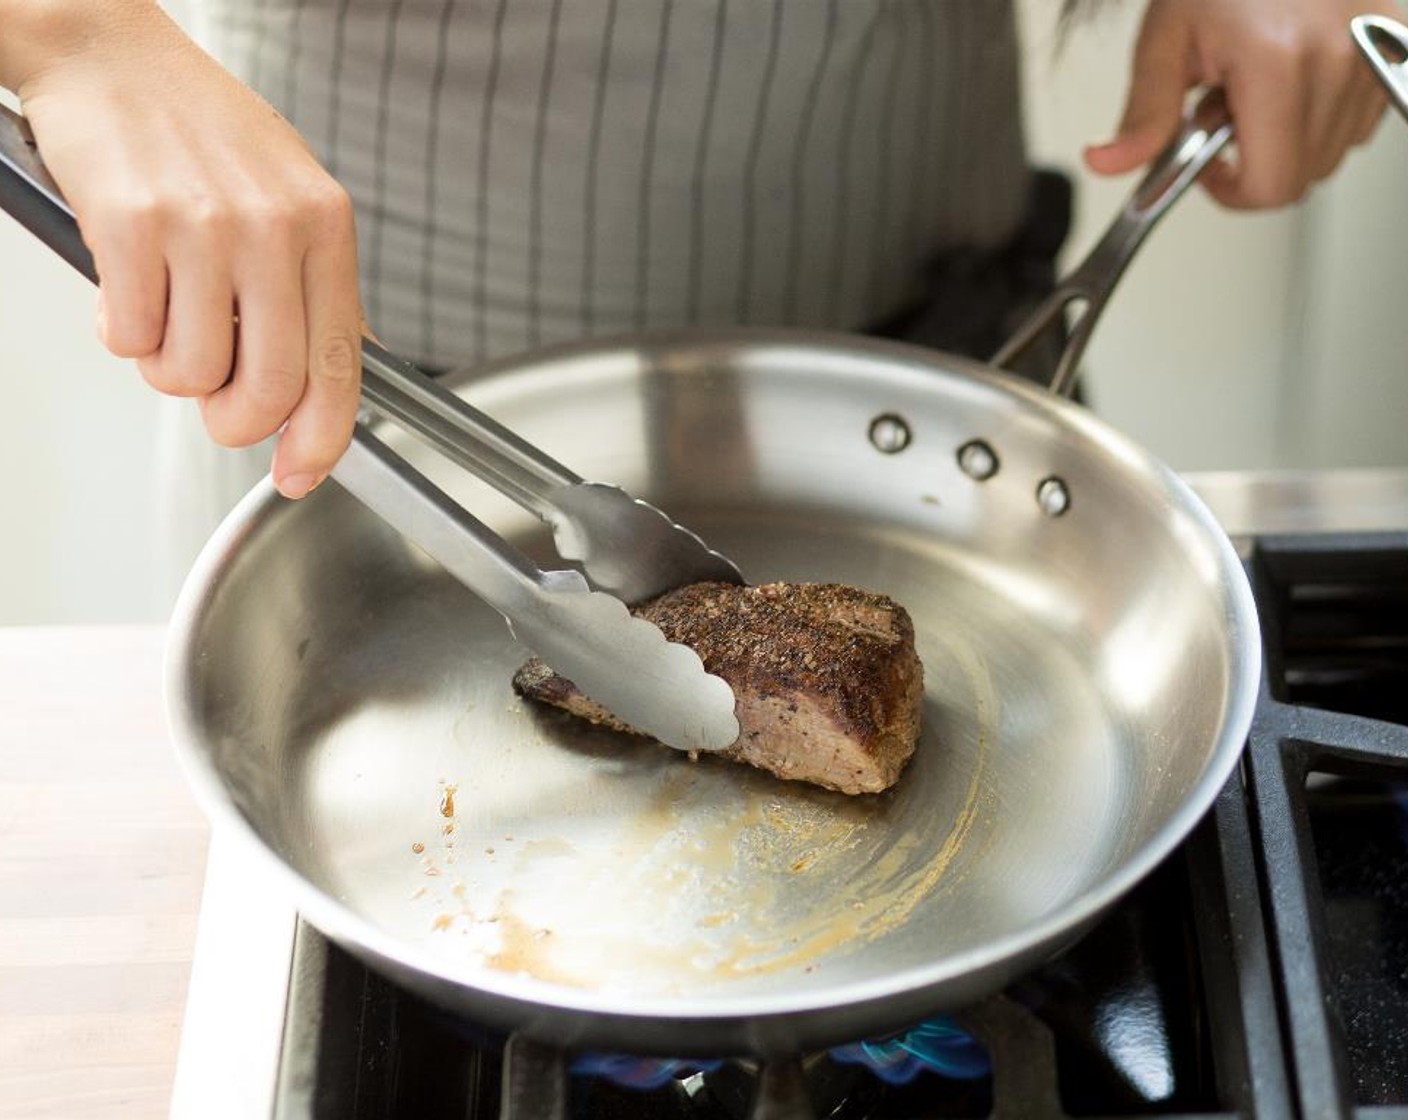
x,y
1384,42
1204,132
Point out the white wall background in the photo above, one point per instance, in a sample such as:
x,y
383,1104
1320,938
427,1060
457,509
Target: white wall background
x,y
1234,341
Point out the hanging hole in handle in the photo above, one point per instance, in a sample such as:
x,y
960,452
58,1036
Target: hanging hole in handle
x,y
1393,49
1046,335
1077,321
1075,310
1384,44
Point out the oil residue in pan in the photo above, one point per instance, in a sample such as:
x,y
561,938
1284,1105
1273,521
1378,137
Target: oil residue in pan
x,y
724,873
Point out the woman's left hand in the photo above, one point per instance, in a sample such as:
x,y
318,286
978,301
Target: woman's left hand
x,y
1299,92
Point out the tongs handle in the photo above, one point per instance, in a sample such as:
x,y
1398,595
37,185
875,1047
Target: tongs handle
x,y
418,509
479,443
624,663
30,195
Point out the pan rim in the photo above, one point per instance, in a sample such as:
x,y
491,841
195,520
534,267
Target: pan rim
x,y
343,924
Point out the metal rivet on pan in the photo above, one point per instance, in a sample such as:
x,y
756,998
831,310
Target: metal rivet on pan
x,y
890,433
1053,497
977,460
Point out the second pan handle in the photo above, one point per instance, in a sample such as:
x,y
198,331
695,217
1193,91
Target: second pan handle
x,y
1384,42
1204,132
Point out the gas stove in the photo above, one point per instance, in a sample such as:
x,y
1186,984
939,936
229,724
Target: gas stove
x,y
1261,971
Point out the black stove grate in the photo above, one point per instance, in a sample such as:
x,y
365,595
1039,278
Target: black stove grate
x,y
1330,724
1260,973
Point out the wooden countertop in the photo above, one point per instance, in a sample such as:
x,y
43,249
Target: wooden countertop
x,y
102,856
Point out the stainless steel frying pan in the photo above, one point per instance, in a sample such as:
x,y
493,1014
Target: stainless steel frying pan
x,y
1091,658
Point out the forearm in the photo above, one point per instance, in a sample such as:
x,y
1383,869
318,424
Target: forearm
x,y
37,35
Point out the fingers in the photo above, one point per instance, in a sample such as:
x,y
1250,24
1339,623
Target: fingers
x,y
270,353
1299,108
198,345
1372,102
1300,96
251,306
320,427
253,309
1370,115
1160,76
1343,111
1269,107
132,288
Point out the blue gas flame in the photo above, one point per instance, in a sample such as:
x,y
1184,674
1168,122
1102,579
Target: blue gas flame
x,y
638,1073
937,1045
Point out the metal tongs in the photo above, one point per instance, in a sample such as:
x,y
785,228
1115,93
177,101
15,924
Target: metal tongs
x,y
631,550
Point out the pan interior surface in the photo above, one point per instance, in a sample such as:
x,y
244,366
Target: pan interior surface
x,y
354,703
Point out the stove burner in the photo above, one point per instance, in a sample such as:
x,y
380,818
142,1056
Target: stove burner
x,y
638,1073
937,1045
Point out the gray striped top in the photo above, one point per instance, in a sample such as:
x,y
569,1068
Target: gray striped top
x,y
532,171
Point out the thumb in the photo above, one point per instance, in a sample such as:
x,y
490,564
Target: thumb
x,y
1159,79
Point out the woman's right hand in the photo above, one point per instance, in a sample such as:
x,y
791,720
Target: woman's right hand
x,y
226,255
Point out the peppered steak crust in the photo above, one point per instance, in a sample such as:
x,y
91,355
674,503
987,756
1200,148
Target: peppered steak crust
x,y
828,684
